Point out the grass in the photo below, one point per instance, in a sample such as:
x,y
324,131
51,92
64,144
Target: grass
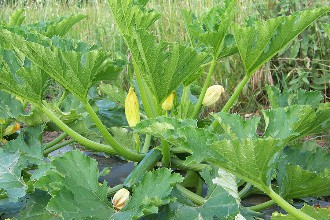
x,y
99,28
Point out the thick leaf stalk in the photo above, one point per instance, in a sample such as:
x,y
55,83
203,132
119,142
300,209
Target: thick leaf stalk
x,y
286,206
110,139
91,145
207,82
232,99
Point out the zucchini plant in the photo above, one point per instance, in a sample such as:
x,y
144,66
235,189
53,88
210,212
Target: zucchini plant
x,y
186,168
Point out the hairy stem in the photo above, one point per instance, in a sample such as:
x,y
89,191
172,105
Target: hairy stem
x,y
232,99
56,140
137,142
262,206
166,152
207,82
199,186
177,163
185,102
245,190
112,191
91,145
286,206
64,95
58,146
110,139
146,144
192,196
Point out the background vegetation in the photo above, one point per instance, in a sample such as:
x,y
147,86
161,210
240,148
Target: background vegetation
x,y
306,64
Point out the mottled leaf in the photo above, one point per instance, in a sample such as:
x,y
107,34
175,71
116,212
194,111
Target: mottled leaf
x,y
259,43
73,185
153,191
316,213
237,128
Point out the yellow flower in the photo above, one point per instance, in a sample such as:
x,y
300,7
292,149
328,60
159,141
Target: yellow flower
x,y
132,110
120,199
212,94
11,129
168,103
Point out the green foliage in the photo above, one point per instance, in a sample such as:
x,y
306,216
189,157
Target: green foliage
x,y
73,185
261,42
317,213
20,78
286,98
229,152
16,18
10,108
211,29
152,192
15,156
73,70
304,173
61,27
164,66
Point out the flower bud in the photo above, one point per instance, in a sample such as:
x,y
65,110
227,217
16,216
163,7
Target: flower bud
x,y
168,103
120,199
212,94
11,129
132,110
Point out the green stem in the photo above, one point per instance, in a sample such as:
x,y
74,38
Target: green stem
x,y
192,196
137,142
146,144
58,146
262,206
286,206
206,85
110,139
91,145
245,190
64,95
232,99
56,140
177,163
199,186
151,107
112,191
185,101
166,152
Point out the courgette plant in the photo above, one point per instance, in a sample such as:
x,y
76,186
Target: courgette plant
x,y
225,155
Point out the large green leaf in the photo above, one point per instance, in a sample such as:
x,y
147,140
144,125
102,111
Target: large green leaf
x,y
17,155
304,173
316,213
219,203
18,77
10,175
35,208
253,160
10,108
73,185
163,66
287,98
211,28
237,128
28,145
295,121
183,134
16,18
259,43
75,71
63,25
153,191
